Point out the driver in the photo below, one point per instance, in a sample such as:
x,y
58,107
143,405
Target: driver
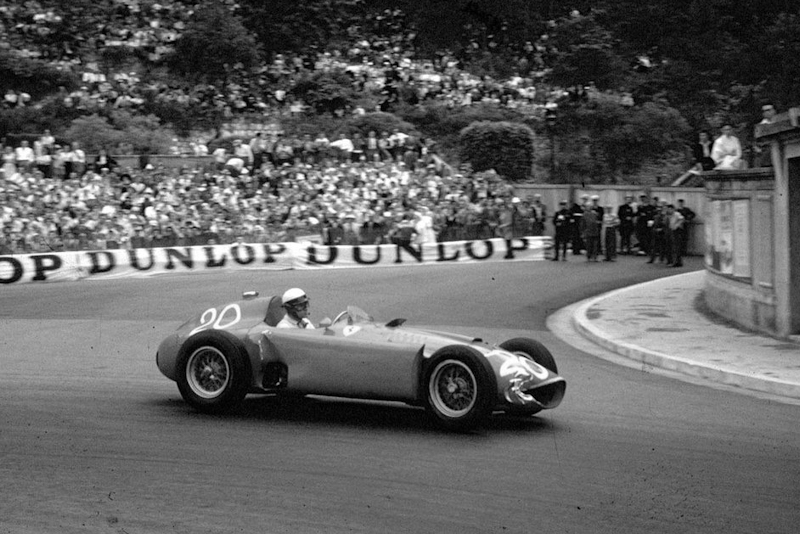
x,y
296,303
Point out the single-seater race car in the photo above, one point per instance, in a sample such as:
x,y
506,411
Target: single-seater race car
x,y
226,352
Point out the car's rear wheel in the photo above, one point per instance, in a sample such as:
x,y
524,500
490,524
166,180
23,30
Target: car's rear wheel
x,y
460,388
213,373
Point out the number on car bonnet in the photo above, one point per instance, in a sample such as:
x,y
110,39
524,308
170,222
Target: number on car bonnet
x,y
210,319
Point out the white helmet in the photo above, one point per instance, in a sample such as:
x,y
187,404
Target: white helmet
x,y
293,297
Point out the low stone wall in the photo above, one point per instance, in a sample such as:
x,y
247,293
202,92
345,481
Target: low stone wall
x,y
740,272
751,307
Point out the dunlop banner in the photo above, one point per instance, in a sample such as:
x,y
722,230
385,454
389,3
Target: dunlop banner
x,y
108,264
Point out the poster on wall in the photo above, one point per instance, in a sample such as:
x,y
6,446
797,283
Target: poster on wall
x,y
741,238
722,260
710,233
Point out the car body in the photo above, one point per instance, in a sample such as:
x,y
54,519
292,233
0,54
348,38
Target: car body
x,y
228,351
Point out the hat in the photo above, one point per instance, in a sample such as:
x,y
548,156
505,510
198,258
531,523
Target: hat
x,y
515,200
563,202
595,197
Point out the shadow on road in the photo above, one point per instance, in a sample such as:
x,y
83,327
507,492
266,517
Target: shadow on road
x,y
366,415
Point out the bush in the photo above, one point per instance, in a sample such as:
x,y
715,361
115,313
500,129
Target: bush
x,y
618,139
506,147
144,133
326,92
444,123
32,76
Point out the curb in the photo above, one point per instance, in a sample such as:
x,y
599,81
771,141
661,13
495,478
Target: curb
x,y
653,358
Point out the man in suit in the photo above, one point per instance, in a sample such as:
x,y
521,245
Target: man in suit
x,y
626,216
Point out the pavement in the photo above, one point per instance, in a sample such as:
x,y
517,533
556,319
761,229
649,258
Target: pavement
x,y
659,325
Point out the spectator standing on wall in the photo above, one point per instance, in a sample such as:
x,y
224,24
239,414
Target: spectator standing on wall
x,y
627,216
764,152
727,151
562,222
701,151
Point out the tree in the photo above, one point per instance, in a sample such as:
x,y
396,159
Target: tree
x,y
506,147
581,52
282,26
214,43
327,91
617,139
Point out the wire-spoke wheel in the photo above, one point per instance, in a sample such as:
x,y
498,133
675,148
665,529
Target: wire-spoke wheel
x,y
208,372
453,388
214,372
460,387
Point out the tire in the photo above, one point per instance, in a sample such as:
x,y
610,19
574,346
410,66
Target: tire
x,y
460,388
533,350
213,373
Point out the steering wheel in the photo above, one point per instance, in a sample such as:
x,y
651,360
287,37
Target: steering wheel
x,y
341,315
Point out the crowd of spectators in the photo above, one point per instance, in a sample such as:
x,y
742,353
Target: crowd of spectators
x,y
379,188
329,197
380,58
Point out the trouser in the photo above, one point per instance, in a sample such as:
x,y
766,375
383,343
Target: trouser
x,y
577,240
643,235
611,243
658,248
677,244
562,241
592,246
625,233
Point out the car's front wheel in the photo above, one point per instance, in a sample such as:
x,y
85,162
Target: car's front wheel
x,y
213,373
460,388
534,351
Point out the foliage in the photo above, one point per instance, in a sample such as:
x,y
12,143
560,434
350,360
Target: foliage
x,y
582,52
144,133
214,43
185,118
33,76
506,147
615,139
282,26
444,123
326,91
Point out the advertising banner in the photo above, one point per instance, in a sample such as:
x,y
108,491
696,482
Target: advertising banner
x,y
109,264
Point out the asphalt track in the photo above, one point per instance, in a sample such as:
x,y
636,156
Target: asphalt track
x,y
94,439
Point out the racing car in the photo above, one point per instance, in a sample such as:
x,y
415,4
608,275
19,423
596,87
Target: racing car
x,y
226,352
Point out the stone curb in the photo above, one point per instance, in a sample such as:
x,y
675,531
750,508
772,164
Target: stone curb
x,y
669,362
